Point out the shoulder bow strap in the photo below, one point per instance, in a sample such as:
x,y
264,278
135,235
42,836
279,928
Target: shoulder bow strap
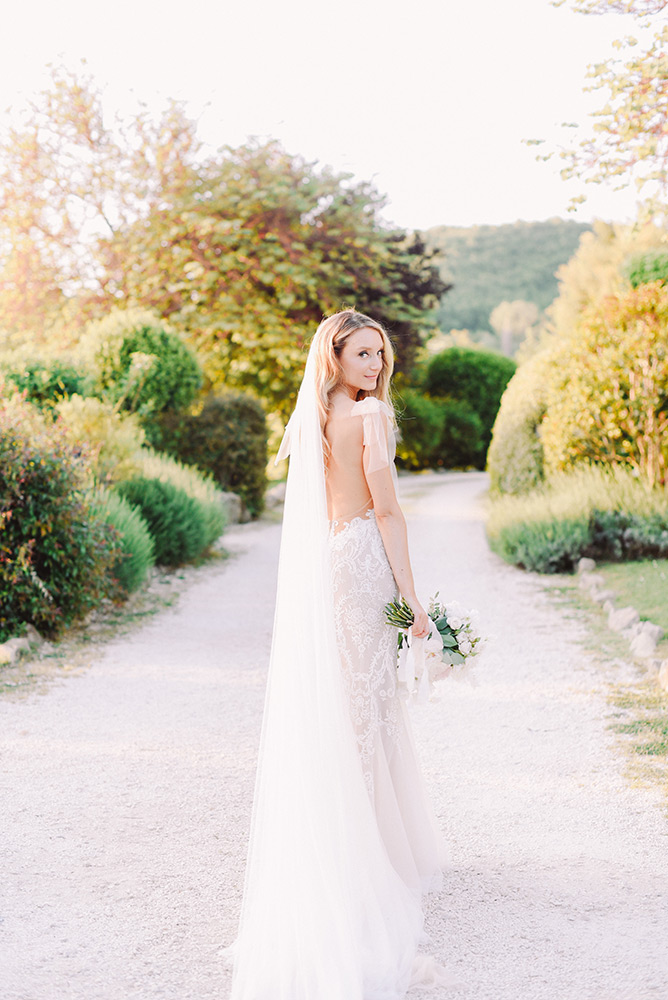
x,y
378,431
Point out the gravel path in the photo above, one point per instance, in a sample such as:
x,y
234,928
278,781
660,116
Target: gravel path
x,y
126,795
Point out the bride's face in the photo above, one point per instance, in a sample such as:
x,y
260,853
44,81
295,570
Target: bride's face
x,y
361,359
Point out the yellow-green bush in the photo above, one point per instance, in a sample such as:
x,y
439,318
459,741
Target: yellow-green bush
x,y
606,394
515,457
114,438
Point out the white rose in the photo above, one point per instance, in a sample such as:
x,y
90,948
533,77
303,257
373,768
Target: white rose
x,y
465,646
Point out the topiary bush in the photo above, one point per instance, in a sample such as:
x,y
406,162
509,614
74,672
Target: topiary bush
x,y
515,458
139,364
476,378
226,437
603,513
45,383
113,438
177,522
198,485
136,555
55,551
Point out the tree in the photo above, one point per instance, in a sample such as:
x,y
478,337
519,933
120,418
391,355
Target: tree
x,y
67,178
243,251
629,139
513,322
249,256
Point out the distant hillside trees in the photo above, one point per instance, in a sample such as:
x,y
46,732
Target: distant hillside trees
x,y
488,265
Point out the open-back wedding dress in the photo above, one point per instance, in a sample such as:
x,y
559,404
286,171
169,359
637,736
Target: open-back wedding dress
x,y
343,840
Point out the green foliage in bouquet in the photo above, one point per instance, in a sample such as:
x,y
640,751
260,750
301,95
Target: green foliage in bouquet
x,y
606,514
227,437
136,555
177,522
56,552
45,383
198,485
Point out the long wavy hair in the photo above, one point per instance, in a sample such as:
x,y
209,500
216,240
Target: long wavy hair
x,y
329,340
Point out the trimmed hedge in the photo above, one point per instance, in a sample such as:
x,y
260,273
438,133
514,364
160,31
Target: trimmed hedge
x,y
136,544
138,363
227,437
437,433
477,378
55,551
198,485
421,423
603,513
177,523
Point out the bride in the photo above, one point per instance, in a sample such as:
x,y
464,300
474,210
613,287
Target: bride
x,y
343,839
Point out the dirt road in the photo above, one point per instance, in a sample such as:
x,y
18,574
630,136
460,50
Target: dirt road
x,y
126,794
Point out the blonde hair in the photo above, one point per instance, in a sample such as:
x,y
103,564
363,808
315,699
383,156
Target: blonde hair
x,y
328,342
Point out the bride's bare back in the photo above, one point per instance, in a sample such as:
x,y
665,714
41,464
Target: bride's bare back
x,y
348,493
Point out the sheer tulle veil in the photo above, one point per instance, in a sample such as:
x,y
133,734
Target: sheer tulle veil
x,y
324,914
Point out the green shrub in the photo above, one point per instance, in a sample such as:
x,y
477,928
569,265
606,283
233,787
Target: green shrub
x,y
515,457
201,487
138,363
646,267
177,522
421,424
45,383
226,437
136,554
477,378
114,438
606,514
55,551
462,442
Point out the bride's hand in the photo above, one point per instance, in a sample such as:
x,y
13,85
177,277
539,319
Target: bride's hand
x,y
420,627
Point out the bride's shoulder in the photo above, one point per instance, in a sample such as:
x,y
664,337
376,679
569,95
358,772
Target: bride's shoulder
x,y
369,406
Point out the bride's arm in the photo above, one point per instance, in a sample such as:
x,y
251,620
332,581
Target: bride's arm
x,y
392,525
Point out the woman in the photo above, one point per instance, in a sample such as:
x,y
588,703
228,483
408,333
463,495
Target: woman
x,y
343,841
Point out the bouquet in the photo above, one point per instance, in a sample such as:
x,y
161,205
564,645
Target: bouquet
x,y
447,651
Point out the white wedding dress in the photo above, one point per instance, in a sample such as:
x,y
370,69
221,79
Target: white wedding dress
x,y
343,839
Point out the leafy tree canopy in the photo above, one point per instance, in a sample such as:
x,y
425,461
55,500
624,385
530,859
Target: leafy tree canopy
x,y
628,141
243,251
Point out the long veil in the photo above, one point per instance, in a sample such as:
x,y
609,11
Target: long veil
x,y
324,915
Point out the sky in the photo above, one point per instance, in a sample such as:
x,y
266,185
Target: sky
x,y
429,99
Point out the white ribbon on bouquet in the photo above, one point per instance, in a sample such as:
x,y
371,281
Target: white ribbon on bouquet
x,y
413,670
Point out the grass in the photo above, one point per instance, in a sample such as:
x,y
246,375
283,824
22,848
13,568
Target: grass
x,y
642,584
640,709
643,730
